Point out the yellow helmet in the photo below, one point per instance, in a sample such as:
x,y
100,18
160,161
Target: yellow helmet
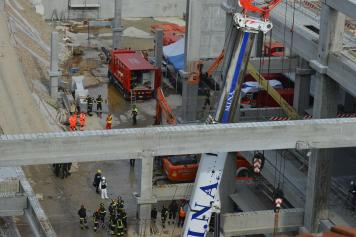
x,y
99,171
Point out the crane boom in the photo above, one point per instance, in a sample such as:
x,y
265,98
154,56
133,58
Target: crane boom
x,y
205,198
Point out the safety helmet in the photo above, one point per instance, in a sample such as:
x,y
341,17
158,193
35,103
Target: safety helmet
x,y
99,171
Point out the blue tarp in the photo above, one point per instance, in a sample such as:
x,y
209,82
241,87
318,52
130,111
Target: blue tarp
x,y
174,53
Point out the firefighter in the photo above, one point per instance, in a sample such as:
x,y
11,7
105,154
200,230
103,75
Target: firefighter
x,y
57,169
65,170
102,214
103,186
173,210
113,222
181,217
99,108
97,179
96,218
134,114
89,101
112,207
124,219
108,121
82,119
119,227
82,213
164,214
73,122
120,204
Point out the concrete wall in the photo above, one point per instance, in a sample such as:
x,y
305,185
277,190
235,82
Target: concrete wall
x,y
131,8
206,29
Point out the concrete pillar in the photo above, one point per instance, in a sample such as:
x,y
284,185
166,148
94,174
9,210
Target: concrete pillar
x,y
302,87
159,48
145,198
189,100
117,27
54,72
325,105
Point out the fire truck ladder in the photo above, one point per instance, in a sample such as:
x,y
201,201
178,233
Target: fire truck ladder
x,y
205,197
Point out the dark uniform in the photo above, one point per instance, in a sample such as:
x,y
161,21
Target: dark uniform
x,y
89,101
154,215
97,179
124,218
82,213
99,102
96,217
113,223
120,204
119,228
102,213
164,214
112,207
134,114
173,210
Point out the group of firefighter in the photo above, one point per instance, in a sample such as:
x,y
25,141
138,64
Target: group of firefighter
x,y
117,221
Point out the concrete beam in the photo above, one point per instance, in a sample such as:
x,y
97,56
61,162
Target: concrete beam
x,y
167,192
62,147
348,7
261,222
275,64
13,205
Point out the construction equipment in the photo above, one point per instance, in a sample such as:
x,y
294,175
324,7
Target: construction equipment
x,y
163,106
135,77
205,198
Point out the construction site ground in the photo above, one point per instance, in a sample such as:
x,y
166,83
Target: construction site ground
x,y
26,107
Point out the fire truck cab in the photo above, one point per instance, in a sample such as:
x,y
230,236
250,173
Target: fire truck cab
x,y
133,74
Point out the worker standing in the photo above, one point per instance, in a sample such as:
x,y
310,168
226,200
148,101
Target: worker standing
x,y
112,207
103,186
120,204
99,107
134,114
154,215
89,101
82,213
102,214
164,214
97,179
108,121
181,217
124,219
119,228
73,122
96,218
132,162
82,120
173,210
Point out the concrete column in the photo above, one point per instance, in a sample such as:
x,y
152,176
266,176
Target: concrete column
x,y
117,27
325,105
159,48
145,198
189,100
302,87
54,72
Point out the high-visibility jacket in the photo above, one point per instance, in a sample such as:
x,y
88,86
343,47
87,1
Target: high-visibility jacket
x,y
82,118
109,119
181,212
73,120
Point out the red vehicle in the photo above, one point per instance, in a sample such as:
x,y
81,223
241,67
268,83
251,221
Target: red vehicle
x,y
133,74
274,49
261,98
181,168
184,168
171,32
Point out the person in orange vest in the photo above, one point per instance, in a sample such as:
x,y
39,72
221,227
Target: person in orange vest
x,y
108,121
73,122
82,119
181,217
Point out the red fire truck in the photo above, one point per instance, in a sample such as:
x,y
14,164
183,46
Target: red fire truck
x,y
133,74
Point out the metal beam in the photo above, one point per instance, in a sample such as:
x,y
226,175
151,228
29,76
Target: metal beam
x,y
12,205
348,7
261,222
275,64
58,147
